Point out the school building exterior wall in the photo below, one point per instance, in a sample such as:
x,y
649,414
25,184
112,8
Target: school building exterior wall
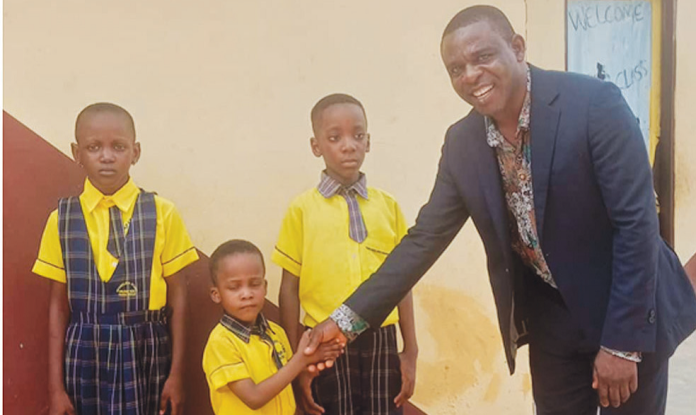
x,y
221,93
684,363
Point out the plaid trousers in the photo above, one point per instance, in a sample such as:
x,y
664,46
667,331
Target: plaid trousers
x,y
365,379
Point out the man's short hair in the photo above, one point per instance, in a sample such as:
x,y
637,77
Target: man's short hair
x,y
496,18
105,107
229,248
328,101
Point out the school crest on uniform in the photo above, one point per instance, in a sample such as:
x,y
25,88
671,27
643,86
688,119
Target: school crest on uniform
x,y
127,289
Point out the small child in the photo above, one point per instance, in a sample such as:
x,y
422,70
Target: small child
x,y
114,256
248,361
333,237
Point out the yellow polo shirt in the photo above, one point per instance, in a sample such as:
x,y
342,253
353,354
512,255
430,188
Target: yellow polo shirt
x,y
228,358
315,245
173,247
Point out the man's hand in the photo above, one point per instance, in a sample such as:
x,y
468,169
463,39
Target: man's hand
x,y
408,378
303,393
324,332
614,378
172,394
60,404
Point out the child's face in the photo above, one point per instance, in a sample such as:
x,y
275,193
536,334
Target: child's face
x,y
106,149
241,286
342,139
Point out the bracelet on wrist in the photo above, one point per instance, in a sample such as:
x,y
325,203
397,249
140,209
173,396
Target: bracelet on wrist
x,y
350,324
634,357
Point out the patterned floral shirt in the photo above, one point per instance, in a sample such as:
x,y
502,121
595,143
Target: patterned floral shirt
x,y
515,163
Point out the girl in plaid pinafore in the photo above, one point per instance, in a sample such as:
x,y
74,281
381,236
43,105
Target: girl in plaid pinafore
x,y
117,352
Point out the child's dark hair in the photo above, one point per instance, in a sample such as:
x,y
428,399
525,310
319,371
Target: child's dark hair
x,y
328,101
233,247
105,107
494,16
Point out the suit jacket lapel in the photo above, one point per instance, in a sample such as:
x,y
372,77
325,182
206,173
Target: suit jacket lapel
x,y
544,119
491,185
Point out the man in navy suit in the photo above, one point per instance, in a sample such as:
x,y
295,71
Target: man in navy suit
x,y
552,169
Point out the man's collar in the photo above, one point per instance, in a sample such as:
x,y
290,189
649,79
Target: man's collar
x,y
244,332
493,135
124,197
328,186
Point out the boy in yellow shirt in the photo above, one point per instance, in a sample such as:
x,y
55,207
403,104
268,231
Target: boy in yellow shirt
x,y
333,238
114,256
248,362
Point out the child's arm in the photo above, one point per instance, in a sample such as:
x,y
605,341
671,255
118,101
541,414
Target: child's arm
x,y
173,391
409,355
256,396
58,316
289,303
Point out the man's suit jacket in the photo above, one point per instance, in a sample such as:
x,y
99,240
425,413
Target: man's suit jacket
x,y
596,221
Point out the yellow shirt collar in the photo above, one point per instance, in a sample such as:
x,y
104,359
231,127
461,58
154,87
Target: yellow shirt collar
x,y
124,198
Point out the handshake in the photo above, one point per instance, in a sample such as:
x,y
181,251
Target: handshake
x,y
319,347
321,344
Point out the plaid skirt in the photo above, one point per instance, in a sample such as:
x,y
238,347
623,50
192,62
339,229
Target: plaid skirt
x,y
117,364
365,379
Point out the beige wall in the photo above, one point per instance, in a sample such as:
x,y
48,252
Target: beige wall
x,y
221,92
683,365
685,145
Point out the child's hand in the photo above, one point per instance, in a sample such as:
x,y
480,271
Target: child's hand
x,y
172,394
408,378
61,405
324,353
303,393
304,341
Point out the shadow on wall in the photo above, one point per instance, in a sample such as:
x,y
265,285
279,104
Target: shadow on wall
x,y
690,268
36,175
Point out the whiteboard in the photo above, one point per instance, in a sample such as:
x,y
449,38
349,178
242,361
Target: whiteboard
x,y
612,40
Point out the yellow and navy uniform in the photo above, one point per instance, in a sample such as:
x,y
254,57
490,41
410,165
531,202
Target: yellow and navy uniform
x,y
172,252
235,352
315,245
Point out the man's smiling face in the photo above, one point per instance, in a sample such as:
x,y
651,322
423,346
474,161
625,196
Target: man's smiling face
x,y
486,70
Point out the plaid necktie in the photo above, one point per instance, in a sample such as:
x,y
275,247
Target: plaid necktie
x,y
259,331
116,236
358,231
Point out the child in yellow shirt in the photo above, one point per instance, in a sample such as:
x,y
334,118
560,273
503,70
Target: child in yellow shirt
x,y
248,361
333,237
112,254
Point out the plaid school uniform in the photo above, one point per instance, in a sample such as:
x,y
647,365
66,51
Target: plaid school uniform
x,y
117,352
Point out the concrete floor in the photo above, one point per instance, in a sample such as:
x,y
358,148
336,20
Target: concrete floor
x,y
682,380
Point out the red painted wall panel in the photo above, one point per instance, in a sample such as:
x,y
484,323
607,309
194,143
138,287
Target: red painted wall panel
x,y
35,176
